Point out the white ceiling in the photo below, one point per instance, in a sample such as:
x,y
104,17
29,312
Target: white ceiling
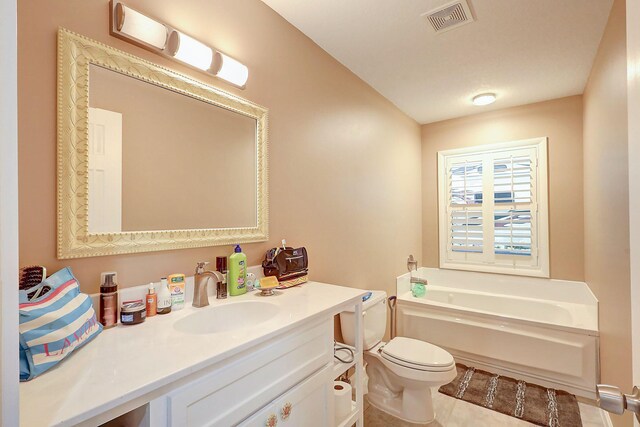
x,y
524,50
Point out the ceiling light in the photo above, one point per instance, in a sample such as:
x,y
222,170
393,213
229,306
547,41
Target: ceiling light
x,y
189,50
231,70
484,99
140,27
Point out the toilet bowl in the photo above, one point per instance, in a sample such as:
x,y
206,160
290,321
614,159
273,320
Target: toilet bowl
x,y
401,374
402,371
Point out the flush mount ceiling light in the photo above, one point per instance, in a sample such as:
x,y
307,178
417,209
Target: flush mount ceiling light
x,y
484,99
141,30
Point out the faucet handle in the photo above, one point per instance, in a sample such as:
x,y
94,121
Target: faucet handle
x,y
412,264
200,267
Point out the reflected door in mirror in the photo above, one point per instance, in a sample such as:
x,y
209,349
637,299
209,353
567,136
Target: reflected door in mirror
x,y
105,171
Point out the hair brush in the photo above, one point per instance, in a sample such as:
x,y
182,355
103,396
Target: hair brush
x,y
31,276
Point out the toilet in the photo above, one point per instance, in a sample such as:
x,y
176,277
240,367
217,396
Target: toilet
x,y
402,371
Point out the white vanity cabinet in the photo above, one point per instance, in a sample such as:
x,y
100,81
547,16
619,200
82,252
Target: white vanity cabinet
x,y
162,373
293,368
308,404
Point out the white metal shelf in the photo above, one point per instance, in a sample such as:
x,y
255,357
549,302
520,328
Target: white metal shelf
x,y
339,367
352,418
357,407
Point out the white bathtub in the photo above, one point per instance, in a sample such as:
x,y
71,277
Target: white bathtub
x,y
540,330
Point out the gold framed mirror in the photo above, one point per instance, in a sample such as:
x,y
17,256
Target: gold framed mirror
x,y
190,169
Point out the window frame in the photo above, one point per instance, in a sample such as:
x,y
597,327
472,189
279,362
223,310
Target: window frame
x,y
536,268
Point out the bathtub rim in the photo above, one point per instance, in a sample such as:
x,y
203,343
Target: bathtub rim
x,y
407,298
570,291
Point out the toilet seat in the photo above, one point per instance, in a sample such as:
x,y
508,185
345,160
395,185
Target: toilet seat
x,y
416,354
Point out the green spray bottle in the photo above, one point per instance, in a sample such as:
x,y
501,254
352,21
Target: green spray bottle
x,y
237,272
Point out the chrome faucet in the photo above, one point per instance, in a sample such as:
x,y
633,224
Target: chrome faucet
x,y
418,280
412,264
201,278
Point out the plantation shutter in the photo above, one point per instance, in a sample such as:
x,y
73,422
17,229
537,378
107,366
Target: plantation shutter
x,y
465,199
514,202
489,208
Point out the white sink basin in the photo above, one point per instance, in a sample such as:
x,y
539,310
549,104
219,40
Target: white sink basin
x,y
227,317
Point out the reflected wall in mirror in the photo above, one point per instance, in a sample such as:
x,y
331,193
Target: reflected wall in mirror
x,y
160,160
149,159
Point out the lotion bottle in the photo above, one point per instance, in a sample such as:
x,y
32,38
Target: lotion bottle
x,y
164,297
152,301
109,302
237,272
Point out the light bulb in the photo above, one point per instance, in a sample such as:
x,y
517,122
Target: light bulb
x,y
191,51
140,27
232,71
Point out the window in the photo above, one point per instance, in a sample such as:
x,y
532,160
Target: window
x,y
493,208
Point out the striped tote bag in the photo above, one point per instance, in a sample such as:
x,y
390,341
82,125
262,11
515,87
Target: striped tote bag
x,y
55,324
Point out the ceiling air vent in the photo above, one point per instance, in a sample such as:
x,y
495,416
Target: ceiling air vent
x,y
449,16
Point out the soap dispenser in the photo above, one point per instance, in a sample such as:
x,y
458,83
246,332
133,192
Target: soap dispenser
x,y
237,272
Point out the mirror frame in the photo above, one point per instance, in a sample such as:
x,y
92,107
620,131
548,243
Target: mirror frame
x,y
75,54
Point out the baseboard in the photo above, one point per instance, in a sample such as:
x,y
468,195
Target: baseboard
x,y
495,368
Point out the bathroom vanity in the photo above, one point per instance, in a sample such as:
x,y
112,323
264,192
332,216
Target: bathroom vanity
x,y
247,360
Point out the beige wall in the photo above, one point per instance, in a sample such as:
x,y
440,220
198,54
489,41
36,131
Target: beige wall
x,y
344,162
561,121
606,201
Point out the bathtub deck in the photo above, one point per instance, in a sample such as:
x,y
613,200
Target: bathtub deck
x,y
452,412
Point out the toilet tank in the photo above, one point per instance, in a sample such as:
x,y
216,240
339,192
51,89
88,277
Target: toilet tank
x,y
374,321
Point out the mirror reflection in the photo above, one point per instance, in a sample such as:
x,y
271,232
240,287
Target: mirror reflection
x,y
162,160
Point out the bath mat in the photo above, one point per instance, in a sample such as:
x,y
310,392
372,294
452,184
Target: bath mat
x,y
519,399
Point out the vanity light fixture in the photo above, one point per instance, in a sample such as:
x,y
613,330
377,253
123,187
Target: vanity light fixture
x,y
190,51
231,70
141,30
484,99
138,27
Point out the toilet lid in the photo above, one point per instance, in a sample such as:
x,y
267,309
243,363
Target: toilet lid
x,y
417,354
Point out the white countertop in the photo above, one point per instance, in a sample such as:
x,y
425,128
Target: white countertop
x,y
127,362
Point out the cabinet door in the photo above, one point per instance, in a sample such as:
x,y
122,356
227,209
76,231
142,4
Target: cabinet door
x,y
246,383
308,404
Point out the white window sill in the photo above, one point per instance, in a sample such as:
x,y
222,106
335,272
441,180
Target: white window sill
x,y
497,269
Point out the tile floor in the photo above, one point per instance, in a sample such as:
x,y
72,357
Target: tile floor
x,y
452,412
